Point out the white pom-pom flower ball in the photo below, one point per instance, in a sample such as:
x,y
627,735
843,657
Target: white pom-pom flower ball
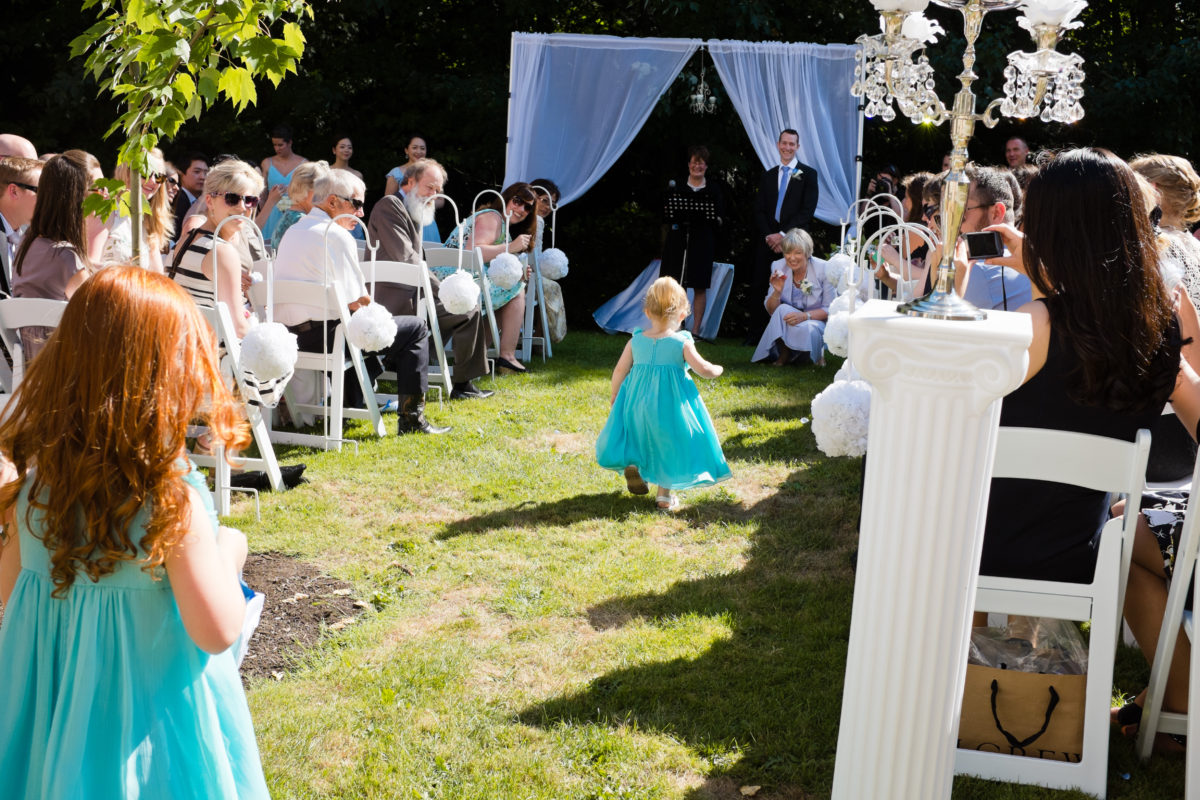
x,y
371,328
847,372
505,271
840,304
836,267
459,293
269,351
837,334
840,418
553,264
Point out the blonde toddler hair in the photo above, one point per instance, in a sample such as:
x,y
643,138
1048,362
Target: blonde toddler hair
x,y
665,299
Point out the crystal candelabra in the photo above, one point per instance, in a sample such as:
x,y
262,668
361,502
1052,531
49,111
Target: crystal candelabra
x,y
893,70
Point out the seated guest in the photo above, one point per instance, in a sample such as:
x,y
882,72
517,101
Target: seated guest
x,y
990,201
396,224
313,249
488,230
96,229
13,145
171,183
157,225
18,195
1105,357
889,270
556,313
232,188
300,193
798,303
1178,188
194,168
52,260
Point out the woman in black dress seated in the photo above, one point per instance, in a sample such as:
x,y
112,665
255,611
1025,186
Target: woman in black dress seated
x,y
1105,358
691,245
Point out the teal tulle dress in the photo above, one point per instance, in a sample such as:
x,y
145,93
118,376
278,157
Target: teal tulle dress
x,y
103,694
659,423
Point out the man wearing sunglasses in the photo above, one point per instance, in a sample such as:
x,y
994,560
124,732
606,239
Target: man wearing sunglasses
x,y
18,195
397,222
338,195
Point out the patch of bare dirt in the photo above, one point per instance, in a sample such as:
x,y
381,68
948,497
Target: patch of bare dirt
x,y
301,602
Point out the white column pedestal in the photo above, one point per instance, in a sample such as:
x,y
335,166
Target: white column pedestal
x,y
934,415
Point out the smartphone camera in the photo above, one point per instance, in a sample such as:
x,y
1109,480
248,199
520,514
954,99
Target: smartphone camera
x,y
984,244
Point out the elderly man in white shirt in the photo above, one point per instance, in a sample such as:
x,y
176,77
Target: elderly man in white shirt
x,y
302,257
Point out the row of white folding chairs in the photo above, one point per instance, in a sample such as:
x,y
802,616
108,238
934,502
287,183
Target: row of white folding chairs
x,y
21,312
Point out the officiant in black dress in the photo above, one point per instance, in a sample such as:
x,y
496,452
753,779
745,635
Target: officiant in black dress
x,y
691,243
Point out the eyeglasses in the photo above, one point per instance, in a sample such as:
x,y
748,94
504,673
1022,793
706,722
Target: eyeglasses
x,y
981,205
354,201
525,204
173,180
928,211
233,198
25,186
157,177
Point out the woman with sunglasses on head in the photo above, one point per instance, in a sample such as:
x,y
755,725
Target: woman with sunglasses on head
x,y
495,231
231,189
157,226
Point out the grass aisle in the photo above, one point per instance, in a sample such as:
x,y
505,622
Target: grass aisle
x,y
539,633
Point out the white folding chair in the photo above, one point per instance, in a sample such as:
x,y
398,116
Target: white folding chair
x,y
1101,464
472,262
535,298
231,365
1154,719
340,355
416,277
24,312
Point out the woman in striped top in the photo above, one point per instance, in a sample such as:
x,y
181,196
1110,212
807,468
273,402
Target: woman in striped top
x,y
231,189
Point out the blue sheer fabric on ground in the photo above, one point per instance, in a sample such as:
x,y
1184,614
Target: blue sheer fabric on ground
x,y
104,695
623,313
659,422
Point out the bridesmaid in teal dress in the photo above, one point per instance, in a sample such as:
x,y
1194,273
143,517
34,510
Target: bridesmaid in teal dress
x,y
277,172
659,431
121,595
487,230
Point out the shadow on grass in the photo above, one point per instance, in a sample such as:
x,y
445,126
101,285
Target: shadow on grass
x,y
762,706
565,512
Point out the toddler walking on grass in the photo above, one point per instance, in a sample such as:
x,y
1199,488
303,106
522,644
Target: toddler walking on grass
x,y
659,430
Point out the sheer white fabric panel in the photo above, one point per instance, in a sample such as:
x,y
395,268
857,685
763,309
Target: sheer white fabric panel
x,y
578,101
775,85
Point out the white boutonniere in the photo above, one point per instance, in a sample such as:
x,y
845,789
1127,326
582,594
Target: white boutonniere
x,y
806,286
796,173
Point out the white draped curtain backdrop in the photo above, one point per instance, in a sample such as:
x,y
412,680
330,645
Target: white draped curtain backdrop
x,y
576,102
775,85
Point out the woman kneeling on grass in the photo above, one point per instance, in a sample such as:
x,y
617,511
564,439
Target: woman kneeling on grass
x,y
121,598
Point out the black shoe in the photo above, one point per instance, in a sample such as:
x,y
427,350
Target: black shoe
x,y
412,417
504,363
469,391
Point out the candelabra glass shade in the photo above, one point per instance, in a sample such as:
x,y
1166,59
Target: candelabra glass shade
x,y
1046,84
887,71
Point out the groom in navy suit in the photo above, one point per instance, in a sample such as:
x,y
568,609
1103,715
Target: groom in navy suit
x,y
787,198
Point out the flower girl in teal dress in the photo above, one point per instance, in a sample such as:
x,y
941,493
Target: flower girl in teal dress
x,y
659,431
121,596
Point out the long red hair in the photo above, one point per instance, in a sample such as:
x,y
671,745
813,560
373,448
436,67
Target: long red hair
x,y
100,419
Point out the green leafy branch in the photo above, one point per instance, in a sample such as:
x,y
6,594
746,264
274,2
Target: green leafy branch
x,y
168,60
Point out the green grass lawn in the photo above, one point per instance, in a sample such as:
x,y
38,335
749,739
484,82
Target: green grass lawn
x,y
558,637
